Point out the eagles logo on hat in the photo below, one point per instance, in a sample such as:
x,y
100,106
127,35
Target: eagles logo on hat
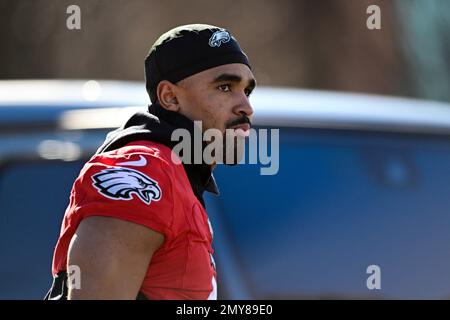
x,y
218,38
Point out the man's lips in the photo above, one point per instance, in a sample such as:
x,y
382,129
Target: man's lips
x,y
242,129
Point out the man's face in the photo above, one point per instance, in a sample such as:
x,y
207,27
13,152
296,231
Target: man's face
x,y
218,97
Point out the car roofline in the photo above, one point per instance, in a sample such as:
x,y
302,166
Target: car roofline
x,y
274,106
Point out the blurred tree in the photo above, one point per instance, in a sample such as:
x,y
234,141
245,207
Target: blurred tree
x,y
426,46
302,43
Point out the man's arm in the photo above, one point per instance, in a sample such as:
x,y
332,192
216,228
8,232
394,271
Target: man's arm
x,y
113,256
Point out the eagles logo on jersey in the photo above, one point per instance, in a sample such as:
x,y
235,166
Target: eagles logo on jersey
x,y
121,183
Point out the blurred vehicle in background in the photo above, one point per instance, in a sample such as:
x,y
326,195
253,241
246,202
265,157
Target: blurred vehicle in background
x,y
363,180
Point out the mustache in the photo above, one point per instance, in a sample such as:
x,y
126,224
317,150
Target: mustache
x,y
242,120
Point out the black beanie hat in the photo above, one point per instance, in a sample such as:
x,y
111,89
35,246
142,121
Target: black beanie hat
x,y
187,50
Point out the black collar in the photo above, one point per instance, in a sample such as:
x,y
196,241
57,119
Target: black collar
x,y
200,175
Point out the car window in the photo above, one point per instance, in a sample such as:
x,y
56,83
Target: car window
x,y
342,201
33,198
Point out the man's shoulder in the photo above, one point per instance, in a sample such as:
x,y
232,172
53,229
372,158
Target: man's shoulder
x,y
132,183
146,157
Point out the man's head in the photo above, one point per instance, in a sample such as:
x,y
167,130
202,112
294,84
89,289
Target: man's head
x,y
201,72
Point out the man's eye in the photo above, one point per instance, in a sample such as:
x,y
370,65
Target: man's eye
x,y
224,88
248,92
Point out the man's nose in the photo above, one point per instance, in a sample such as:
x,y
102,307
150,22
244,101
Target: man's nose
x,y
244,107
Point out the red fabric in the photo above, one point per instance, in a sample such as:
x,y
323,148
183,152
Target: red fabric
x,y
182,268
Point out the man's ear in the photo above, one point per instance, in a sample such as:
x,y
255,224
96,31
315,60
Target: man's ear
x,y
166,92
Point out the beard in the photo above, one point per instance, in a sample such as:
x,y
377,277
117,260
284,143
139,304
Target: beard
x,y
225,147
233,143
233,148
228,148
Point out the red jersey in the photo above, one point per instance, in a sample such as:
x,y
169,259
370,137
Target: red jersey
x,y
140,183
